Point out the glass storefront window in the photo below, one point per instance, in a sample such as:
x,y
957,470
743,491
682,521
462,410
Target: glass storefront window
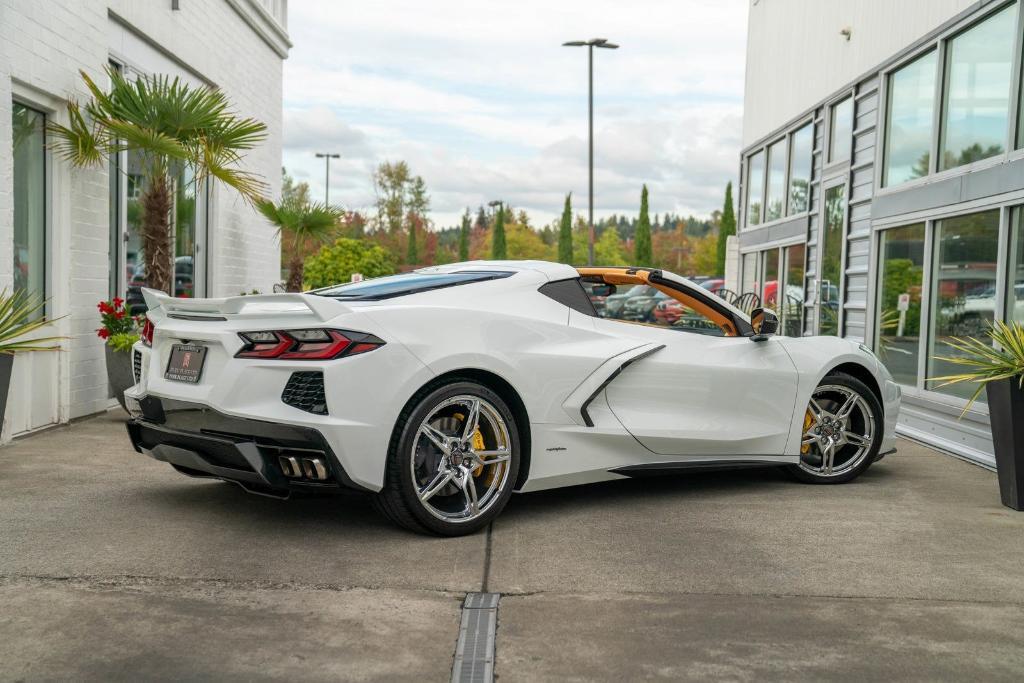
x,y
976,98
29,171
800,159
185,207
841,138
1015,290
114,253
898,321
791,301
133,182
770,290
963,283
831,245
748,279
776,181
755,187
909,121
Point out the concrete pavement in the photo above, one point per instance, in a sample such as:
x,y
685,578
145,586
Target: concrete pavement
x,y
113,566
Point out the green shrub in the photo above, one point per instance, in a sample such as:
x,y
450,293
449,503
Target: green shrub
x,y
122,341
334,264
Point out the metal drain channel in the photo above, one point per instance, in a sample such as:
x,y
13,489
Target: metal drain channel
x,y
474,654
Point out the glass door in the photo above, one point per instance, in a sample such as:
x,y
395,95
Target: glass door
x,y
830,267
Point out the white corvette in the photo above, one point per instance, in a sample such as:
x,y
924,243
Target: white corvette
x,y
444,390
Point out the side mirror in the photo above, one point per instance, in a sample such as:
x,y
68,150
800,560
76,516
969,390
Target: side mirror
x,y
765,323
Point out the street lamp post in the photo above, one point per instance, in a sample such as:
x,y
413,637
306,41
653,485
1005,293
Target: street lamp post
x,y
590,45
327,181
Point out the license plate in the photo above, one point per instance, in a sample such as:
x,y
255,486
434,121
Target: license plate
x,y
186,364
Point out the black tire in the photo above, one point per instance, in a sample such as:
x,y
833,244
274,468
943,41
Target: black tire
x,y
853,384
398,500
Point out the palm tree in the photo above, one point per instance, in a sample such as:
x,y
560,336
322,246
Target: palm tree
x,y
174,127
299,222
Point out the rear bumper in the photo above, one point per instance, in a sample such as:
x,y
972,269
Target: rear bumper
x,y
200,441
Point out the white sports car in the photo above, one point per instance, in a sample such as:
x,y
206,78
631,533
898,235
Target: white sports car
x,y
444,390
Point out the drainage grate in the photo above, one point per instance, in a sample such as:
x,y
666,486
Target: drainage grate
x,y
474,654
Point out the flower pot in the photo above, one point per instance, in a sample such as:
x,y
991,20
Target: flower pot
x,y
1006,414
6,365
119,372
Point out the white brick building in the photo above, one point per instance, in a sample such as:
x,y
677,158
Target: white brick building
x,y
70,232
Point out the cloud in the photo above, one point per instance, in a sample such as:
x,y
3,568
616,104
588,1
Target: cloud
x,y
486,104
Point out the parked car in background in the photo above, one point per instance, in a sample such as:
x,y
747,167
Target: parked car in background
x,y
713,284
615,303
183,284
640,308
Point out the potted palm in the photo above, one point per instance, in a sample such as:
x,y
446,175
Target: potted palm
x,y
16,320
298,223
996,365
173,127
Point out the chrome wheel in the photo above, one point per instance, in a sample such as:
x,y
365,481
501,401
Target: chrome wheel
x,y
460,458
839,429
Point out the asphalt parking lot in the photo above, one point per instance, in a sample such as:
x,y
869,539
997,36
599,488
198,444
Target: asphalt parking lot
x,y
114,567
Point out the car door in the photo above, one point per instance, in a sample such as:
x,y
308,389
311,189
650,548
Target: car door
x,y
704,394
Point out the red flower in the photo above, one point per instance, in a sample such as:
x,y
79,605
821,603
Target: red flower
x,y
118,302
119,314
103,333
106,308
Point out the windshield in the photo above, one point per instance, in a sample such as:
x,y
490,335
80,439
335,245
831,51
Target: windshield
x,y
406,283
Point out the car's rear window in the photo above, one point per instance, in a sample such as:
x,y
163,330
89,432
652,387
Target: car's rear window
x,y
406,283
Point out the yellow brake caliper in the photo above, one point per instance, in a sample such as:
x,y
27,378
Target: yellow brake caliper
x,y
808,421
478,445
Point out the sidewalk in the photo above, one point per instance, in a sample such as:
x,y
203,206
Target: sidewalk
x,y
113,566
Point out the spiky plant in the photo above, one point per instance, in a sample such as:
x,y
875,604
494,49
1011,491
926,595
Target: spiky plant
x,y
298,223
173,126
999,357
16,311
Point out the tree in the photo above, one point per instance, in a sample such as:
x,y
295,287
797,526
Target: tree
x,y
726,227
335,264
298,223
608,249
642,255
565,232
292,191
178,130
498,251
704,256
412,254
464,237
389,184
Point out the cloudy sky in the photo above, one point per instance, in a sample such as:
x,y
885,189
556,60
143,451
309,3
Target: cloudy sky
x,y
483,102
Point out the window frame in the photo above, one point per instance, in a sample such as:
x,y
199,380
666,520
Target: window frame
x,y
830,109
943,81
783,140
885,100
49,243
763,151
807,122
940,45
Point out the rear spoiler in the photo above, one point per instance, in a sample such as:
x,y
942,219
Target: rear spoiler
x,y
322,307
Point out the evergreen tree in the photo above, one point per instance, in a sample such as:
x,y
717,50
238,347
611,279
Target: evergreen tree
x,y
498,240
481,217
464,237
565,232
642,241
412,254
726,227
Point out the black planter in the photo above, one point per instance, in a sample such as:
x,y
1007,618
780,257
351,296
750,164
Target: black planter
x,y
119,372
6,364
1006,413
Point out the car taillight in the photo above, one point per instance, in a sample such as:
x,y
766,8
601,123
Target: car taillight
x,y
147,332
311,344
